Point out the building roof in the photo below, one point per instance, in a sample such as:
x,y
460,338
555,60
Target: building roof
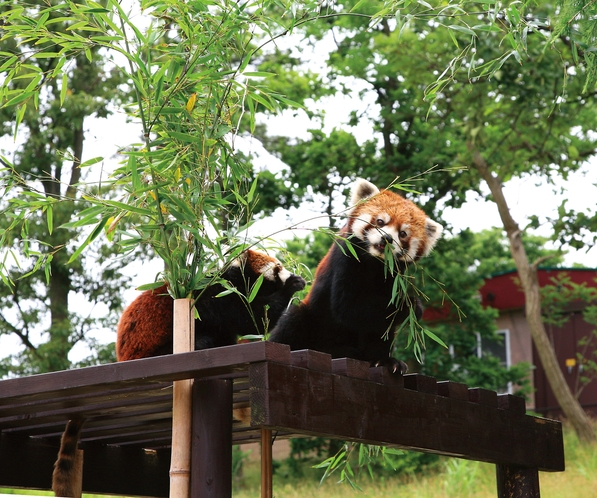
x,y
503,291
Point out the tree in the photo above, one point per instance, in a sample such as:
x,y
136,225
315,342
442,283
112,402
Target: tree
x,y
558,146
45,165
529,117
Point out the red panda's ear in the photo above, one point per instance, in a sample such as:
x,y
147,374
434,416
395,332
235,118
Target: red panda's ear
x,y
362,189
434,232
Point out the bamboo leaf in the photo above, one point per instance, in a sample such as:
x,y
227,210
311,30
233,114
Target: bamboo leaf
x,y
152,286
46,55
255,288
434,337
50,218
19,117
132,166
89,162
251,193
20,97
92,236
184,137
63,88
191,102
462,29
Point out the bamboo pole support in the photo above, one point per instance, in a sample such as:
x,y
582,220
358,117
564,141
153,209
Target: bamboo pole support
x,y
266,464
180,466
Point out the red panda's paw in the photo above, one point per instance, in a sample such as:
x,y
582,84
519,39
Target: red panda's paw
x,y
294,283
393,365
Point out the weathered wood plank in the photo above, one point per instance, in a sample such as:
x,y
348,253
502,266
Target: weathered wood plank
x,y
350,368
212,439
420,383
483,396
517,482
372,413
196,364
382,375
454,390
313,360
512,403
37,422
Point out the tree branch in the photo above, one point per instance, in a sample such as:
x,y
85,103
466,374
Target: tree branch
x,y
535,264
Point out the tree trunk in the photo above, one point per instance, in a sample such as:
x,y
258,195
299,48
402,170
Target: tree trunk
x,y
527,273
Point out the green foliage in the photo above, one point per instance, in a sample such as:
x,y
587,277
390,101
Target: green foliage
x,y
504,99
45,99
492,253
350,460
353,459
311,249
576,25
478,253
239,460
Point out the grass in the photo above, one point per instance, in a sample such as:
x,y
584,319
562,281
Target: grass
x,y
451,478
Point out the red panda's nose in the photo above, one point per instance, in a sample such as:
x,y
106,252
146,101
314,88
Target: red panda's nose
x,y
387,238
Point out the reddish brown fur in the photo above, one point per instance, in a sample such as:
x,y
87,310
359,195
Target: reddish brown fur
x,y
152,311
256,261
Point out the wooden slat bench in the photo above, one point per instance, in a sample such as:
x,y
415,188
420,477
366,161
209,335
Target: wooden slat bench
x,y
128,407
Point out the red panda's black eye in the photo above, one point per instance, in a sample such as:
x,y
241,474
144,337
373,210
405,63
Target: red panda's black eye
x,y
403,234
380,222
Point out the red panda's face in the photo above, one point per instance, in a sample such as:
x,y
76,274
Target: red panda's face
x,y
261,263
382,219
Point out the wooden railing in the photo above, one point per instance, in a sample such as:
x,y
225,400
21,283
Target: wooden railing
x,y
128,405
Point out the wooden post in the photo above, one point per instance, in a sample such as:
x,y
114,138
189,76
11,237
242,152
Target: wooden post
x,y
78,472
184,341
266,464
517,482
212,439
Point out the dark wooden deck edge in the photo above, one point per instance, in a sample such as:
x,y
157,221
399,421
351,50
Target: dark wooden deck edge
x,y
355,409
196,364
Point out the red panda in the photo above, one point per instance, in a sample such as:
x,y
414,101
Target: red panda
x,y
348,311
145,329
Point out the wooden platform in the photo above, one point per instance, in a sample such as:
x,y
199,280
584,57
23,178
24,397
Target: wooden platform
x,y
128,407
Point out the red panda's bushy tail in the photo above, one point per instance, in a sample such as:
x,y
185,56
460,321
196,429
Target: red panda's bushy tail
x,y
67,471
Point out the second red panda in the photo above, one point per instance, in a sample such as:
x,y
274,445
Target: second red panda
x,y
348,311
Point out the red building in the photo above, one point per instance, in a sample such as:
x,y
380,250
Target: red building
x,y
503,292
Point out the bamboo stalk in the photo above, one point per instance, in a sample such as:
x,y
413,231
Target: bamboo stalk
x,y
266,464
180,467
